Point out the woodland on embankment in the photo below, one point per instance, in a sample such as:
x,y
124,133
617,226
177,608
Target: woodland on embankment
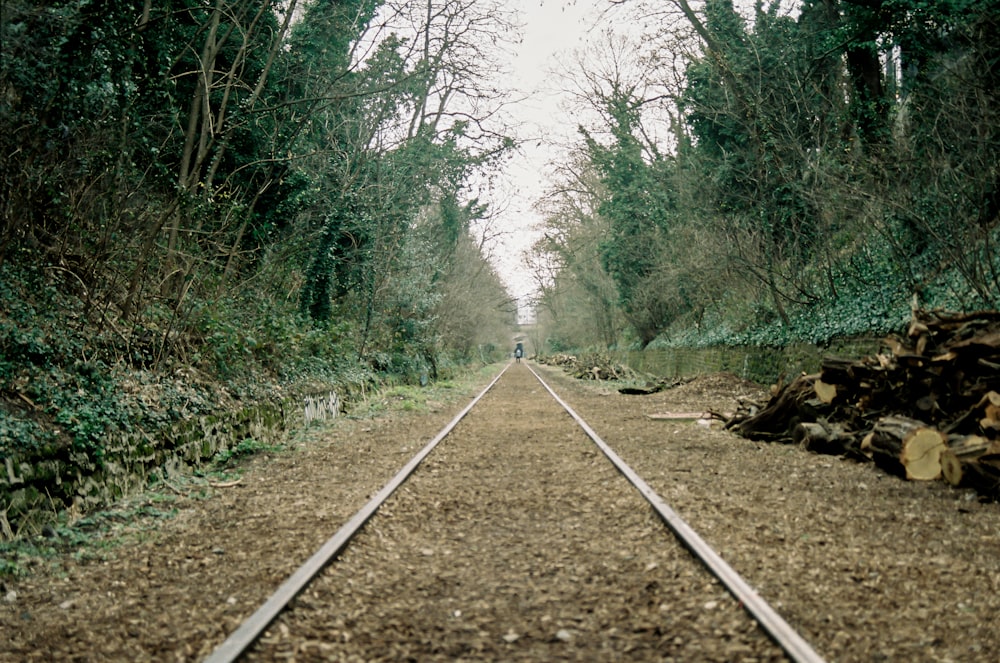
x,y
211,203
206,204
776,173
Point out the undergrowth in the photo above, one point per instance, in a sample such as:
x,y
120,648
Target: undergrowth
x,y
93,536
863,297
242,450
66,381
72,378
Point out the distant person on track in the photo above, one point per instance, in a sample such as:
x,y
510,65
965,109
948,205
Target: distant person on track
x,y
518,352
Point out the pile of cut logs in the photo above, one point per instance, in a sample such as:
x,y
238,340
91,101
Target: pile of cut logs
x,y
558,359
926,408
590,367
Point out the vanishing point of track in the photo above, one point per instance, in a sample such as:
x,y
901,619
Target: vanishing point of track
x,y
243,638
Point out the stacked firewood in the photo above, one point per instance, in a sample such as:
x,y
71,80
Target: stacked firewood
x,y
926,408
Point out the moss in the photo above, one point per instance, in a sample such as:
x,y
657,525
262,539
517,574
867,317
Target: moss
x,y
128,461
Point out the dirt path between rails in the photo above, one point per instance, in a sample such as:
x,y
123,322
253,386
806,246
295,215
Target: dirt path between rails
x,y
868,567
516,541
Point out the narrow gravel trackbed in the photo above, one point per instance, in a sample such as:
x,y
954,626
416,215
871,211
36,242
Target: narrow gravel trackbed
x,y
516,540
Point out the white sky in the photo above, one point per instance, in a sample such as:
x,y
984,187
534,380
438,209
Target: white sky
x,y
553,31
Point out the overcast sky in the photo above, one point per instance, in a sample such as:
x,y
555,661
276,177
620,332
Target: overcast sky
x,y
553,30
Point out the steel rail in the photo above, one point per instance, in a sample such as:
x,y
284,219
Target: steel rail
x,y
254,626
780,631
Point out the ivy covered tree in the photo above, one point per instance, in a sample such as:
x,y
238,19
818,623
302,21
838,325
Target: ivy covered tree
x,y
402,150
754,125
943,210
639,201
639,209
578,304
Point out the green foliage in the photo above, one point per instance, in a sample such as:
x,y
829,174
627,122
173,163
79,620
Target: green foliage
x,y
52,399
87,404
17,432
200,208
408,398
833,167
55,396
870,302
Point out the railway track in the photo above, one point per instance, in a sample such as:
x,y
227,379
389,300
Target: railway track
x,y
493,543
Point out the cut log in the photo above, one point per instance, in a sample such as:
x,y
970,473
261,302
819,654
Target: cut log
x,y
990,422
922,455
985,414
963,464
926,406
970,447
824,438
907,448
866,445
650,388
982,475
777,419
991,459
951,468
824,391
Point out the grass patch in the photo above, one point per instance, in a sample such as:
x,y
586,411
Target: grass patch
x,y
420,400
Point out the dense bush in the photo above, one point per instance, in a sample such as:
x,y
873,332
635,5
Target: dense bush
x,y
199,206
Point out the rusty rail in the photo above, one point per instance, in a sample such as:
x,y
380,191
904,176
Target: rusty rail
x,y
780,631
254,626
